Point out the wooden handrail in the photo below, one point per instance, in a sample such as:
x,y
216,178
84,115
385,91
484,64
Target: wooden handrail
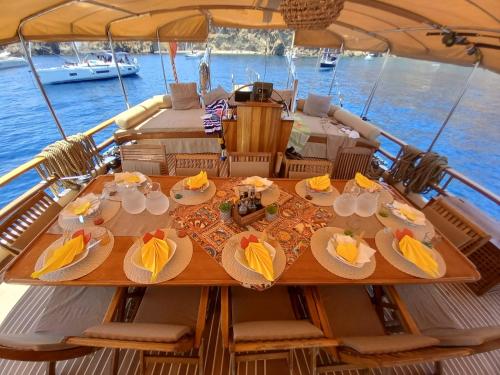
x,y
37,160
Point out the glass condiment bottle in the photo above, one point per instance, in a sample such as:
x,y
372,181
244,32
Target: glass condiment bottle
x,y
251,200
242,207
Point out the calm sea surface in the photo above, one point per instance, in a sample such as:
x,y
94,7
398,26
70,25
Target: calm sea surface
x,y
411,102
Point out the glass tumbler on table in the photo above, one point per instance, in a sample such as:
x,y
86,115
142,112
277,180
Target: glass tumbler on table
x,y
366,204
345,204
133,201
157,203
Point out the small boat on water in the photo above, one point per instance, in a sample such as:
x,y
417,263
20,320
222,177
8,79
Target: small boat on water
x,y
94,66
7,61
194,54
328,61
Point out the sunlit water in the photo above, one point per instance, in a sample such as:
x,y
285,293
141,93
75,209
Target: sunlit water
x,y
411,102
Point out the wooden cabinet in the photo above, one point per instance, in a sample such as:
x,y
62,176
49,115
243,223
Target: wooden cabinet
x,y
259,128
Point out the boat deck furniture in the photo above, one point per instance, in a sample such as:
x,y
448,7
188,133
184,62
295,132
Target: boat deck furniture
x,y
306,168
148,159
192,164
67,312
426,307
460,230
487,261
244,164
348,314
263,325
351,160
169,320
202,270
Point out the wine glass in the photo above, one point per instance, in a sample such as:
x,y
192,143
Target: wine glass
x,y
133,201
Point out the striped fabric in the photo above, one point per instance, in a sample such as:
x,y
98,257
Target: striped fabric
x,y
465,306
216,110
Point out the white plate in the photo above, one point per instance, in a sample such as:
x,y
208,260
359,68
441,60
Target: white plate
x,y
250,181
402,217
137,257
239,255
95,203
142,179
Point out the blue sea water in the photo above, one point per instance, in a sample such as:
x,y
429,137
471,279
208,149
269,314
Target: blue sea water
x,y
411,102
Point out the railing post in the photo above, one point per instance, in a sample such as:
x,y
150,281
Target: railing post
x,y
122,84
40,84
374,88
452,110
161,59
335,69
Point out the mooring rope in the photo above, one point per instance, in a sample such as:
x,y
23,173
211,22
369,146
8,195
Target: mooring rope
x,y
417,170
75,156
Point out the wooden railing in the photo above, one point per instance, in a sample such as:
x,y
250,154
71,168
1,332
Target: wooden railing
x,y
451,174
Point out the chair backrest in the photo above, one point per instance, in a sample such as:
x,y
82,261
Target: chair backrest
x,y
191,164
462,232
351,160
245,164
147,159
307,168
20,224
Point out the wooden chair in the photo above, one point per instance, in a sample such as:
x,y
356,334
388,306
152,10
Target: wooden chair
x,y
462,232
263,325
306,168
245,164
22,220
348,315
68,311
145,158
170,320
351,160
192,164
487,261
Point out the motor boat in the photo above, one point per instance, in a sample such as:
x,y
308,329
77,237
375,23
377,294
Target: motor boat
x,y
327,62
194,54
355,257
94,66
8,61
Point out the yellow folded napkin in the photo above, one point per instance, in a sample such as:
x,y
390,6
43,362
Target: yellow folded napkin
x,y
365,182
320,183
196,182
260,260
155,255
413,250
131,178
81,209
62,256
346,248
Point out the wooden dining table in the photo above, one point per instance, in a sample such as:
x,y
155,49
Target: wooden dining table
x,y
204,270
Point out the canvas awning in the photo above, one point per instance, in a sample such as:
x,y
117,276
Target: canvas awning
x,y
409,28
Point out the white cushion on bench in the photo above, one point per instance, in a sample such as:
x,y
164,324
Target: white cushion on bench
x,y
364,128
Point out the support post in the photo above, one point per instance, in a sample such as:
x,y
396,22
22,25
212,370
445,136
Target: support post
x,y
162,63
290,60
40,84
73,44
452,110
374,88
122,84
335,69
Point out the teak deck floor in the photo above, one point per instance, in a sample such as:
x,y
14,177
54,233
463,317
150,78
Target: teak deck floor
x,y
466,307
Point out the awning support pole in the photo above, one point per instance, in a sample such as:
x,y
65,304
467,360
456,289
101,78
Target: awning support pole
x,y
162,63
452,110
335,69
290,61
122,84
374,88
40,85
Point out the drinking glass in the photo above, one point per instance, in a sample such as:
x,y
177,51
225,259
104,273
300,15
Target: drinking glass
x,y
345,204
133,201
366,204
156,202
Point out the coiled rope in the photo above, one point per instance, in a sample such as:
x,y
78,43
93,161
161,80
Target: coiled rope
x,y
75,156
417,170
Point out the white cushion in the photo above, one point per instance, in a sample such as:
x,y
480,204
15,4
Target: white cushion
x,y
34,341
216,94
317,105
364,128
163,101
184,96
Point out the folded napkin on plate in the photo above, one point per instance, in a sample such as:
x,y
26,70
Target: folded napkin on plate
x,y
127,177
320,183
346,248
366,183
198,181
257,181
259,259
155,254
64,255
410,213
80,208
414,251
84,205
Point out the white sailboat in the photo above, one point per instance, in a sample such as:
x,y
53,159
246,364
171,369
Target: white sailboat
x,y
94,66
8,61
